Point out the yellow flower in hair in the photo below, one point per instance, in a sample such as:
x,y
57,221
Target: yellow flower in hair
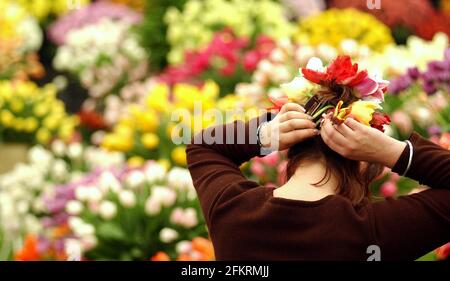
x,y
362,111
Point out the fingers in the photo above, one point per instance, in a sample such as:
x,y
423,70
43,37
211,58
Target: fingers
x,y
354,125
294,115
296,124
345,130
300,135
291,107
330,134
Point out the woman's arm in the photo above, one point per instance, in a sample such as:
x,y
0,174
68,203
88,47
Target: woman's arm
x,y
217,152
430,163
214,157
411,226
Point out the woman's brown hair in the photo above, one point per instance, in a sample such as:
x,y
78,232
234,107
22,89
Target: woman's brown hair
x,y
352,176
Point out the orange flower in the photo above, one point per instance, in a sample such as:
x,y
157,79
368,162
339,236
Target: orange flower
x,y
203,246
160,256
61,231
202,250
29,252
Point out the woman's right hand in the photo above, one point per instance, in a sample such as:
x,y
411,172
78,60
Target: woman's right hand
x,y
290,126
356,141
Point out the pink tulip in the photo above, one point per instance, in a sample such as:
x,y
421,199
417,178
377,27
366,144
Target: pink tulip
x,y
372,88
272,159
251,60
388,189
258,169
402,121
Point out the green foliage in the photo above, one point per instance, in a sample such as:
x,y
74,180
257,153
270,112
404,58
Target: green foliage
x,y
152,31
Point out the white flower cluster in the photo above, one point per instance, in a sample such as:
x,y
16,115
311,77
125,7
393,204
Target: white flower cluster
x,y
27,29
31,33
102,55
89,44
22,190
396,59
150,193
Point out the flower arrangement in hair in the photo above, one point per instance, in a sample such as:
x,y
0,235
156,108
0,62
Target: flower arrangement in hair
x,y
342,88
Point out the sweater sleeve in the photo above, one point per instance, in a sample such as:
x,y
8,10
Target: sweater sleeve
x,y
430,163
214,157
424,215
411,226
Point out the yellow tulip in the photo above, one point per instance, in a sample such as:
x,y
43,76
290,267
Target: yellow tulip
x,y
16,105
52,121
148,122
123,131
6,117
43,135
19,124
158,98
164,162
31,124
179,155
40,109
117,142
362,111
136,161
150,140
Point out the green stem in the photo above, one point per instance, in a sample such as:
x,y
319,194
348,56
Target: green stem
x,y
318,113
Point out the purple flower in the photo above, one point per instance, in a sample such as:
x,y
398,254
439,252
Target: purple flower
x,y
88,15
414,73
43,244
434,130
56,206
429,87
399,84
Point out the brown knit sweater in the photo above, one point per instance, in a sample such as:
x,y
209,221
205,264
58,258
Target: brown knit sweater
x,y
246,222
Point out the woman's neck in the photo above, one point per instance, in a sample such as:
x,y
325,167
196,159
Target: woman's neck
x,y
301,185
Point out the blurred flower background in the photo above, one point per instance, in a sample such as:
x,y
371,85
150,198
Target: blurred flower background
x,y
89,170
